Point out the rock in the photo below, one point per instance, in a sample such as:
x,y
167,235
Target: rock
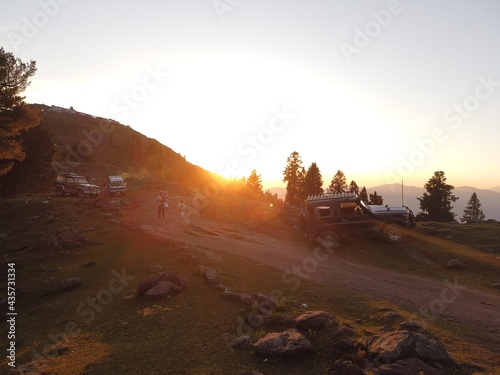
x,y
46,244
250,372
346,332
410,326
384,309
495,286
344,346
241,297
156,268
313,320
393,346
155,279
70,244
287,343
265,303
211,275
90,263
345,368
455,264
410,366
390,317
241,342
69,284
162,289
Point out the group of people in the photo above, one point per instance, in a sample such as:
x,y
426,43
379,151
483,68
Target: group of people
x,y
162,202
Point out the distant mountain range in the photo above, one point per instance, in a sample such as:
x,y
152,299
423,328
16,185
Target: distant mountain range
x,y
489,198
496,188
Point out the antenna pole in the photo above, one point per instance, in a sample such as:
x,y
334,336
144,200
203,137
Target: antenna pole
x,y
402,192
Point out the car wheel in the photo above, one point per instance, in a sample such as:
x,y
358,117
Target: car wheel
x,y
59,190
80,193
394,233
329,239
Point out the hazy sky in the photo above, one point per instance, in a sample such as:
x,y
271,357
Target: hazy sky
x,y
382,90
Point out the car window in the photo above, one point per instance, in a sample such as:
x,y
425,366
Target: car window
x,y
348,208
323,211
70,180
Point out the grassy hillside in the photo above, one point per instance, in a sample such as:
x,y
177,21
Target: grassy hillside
x,y
67,333
97,148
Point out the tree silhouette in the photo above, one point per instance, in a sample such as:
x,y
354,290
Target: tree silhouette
x,y
254,182
15,115
353,187
473,212
293,175
376,199
313,182
38,145
363,195
338,184
436,202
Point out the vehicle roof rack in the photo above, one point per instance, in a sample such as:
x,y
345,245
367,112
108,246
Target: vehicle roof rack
x,y
327,196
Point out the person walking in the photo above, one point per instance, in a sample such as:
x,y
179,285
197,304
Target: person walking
x,y
160,201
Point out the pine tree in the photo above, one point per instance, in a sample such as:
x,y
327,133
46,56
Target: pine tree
x,y
353,187
363,195
376,199
313,181
473,212
16,117
254,182
293,175
436,202
338,184
38,145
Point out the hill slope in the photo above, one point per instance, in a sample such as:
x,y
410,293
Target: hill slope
x,y
98,147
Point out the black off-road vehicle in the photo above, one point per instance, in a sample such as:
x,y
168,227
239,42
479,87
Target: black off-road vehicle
x,y
329,217
71,183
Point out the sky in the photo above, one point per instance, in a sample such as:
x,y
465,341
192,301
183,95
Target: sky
x,y
383,90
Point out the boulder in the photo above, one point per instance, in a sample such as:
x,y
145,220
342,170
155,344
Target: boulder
x,y
313,320
410,366
288,343
162,289
455,264
155,279
344,346
397,345
211,275
410,325
345,368
69,284
264,302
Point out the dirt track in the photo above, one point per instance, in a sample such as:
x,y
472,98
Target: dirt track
x,y
428,297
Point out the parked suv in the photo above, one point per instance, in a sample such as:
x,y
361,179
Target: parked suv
x,y
116,185
71,183
329,217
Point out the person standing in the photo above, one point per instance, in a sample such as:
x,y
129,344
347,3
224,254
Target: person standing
x,y
182,208
106,188
160,201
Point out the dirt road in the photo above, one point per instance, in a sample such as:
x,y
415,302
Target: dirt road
x,y
428,298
